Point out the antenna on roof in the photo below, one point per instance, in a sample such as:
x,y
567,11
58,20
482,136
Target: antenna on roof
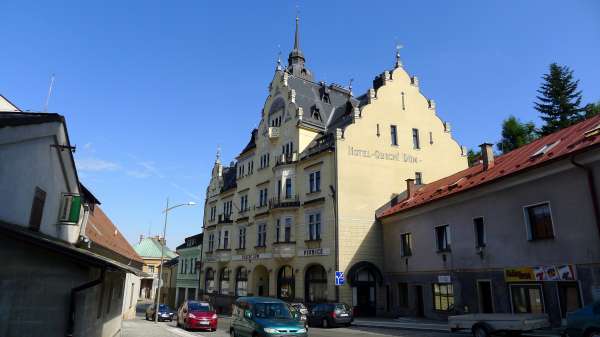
x,y
49,93
350,86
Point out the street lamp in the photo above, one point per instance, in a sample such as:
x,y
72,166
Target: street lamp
x,y
162,254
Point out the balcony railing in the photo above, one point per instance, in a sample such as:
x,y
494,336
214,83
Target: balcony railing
x,y
273,132
293,201
225,218
287,158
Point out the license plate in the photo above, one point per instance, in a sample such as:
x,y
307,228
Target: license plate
x,y
204,322
344,315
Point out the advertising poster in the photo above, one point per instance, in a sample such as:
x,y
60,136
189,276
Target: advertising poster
x,y
566,272
550,274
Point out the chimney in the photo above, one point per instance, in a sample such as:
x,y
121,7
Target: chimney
x,y
141,237
411,188
487,156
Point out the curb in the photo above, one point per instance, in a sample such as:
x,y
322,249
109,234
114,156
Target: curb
x,y
397,327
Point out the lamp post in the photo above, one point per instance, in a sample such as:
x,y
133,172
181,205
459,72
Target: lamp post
x,y
162,254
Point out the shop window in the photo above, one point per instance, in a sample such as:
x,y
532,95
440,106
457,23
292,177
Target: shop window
x,y
241,282
209,282
569,296
442,236
479,232
527,299
403,294
443,296
224,281
406,244
316,284
539,221
394,135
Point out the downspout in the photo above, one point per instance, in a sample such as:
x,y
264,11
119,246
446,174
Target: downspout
x,y
74,291
335,218
592,189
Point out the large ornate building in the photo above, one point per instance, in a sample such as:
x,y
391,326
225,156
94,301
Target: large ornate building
x,y
299,202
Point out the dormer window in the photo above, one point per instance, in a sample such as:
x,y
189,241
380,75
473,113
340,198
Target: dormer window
x,y
544,149
316,114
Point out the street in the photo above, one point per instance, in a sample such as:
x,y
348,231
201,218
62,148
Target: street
x,y
139,327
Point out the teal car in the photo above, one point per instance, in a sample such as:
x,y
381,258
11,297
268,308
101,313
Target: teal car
x,y
584,322
263,317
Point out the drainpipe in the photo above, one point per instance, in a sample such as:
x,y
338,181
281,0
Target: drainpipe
x,y
74,291
592,189
335,220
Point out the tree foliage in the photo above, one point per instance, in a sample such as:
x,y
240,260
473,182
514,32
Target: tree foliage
x,y
559,100
592,109
515,134
473,157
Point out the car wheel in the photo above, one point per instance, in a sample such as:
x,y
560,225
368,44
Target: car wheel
x,y
147,317
593,333
480,331
325,323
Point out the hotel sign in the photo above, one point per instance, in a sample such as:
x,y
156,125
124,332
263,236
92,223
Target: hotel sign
x,y
251,257
382,155
313,252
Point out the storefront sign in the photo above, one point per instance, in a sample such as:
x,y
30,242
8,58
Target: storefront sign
x,y
540,273
251,257
313,252
444,279
393,156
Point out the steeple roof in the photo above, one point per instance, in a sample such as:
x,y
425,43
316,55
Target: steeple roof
x,y
296,58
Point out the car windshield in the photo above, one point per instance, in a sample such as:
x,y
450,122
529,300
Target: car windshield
x,y
164,307
199,307
341,307
272,310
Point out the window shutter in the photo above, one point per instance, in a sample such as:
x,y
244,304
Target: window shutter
x,y
75,208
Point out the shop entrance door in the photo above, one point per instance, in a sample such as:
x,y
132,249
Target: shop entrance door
x,y
419,301
486,300
527,298
569,296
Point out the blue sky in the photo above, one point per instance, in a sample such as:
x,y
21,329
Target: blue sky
x,y
150,88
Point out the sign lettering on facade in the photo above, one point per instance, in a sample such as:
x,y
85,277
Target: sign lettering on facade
x,y
251,257
394,156
540,273
313,252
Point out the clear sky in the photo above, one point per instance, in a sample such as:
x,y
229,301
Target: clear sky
x,y
150,88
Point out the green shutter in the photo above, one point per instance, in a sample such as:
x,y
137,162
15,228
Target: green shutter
x,y
75,208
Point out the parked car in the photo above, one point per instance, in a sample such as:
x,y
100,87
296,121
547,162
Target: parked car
x,y
165,313
301,309
197,315
265,316
584,322
329,315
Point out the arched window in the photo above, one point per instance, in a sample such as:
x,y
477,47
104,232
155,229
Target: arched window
x,y
241,282
285,283
224,281
209,281
316,284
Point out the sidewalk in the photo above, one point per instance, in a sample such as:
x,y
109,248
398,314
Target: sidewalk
x,y
402,323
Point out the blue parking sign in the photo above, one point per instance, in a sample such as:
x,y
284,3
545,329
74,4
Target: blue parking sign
x,y
339,278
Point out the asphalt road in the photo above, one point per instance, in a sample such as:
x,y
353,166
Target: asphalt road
x,y
139,327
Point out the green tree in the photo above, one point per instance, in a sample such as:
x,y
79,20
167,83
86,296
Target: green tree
x,y
515,134
473,157
592,109
559,100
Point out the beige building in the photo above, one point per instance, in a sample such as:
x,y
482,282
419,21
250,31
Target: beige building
x,y
298,204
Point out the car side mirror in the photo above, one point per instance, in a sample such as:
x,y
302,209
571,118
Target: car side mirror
x,y
248,314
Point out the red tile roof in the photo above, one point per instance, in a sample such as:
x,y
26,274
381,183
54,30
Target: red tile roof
x,y
101,231
560,144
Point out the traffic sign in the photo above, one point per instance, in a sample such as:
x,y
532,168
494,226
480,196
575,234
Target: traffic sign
x,y
339,278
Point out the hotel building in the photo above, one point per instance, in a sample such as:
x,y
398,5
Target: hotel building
x,y
299,201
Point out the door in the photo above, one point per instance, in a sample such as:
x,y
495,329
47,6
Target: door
x,y
486,300
419,301
366,300
569,296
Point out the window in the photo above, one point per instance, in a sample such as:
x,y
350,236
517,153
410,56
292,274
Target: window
x,y
316,284
430,137
314,226
314,180
479,232
251,167
262,197
262,235
37,209
418,178
213,213
244,203
226,240
224,281
539,221
406,244
443,296
277,230
527,299
288,188
211,242
71,206
185,266
264,160
415,137
288,230
442,236
394,135
403,104
227,208
403,294
241,282
242,238
378,130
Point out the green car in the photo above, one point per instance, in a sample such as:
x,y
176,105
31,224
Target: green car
x,y
584,322
265,316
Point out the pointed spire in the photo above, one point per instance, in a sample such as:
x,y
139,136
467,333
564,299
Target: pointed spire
x,y
296,58
296,37
218,160
279,61
398,61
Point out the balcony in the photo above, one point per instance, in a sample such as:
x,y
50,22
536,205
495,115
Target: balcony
x,y
224,219
284,250
287,158
223,255
273,132
290,202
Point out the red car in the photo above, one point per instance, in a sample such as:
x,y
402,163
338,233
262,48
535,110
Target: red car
x,y
197,315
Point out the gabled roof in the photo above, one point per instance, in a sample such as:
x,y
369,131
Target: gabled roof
x,y
252,143
574,139
101,231
12,118
150,248
6,105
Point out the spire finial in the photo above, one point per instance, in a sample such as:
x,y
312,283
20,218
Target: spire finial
x,y
279,58
350,86
218,160
398,61
296,36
